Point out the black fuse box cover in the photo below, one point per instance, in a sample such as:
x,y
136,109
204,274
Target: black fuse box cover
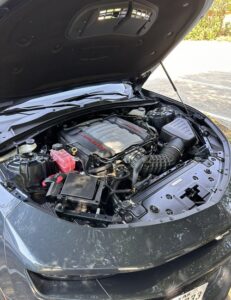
x,y
79,186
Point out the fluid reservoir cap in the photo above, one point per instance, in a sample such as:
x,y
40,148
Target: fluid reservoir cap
x,y
57,146
30,141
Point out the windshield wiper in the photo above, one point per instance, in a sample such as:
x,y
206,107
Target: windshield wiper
x,y
64,103
93,96
34,108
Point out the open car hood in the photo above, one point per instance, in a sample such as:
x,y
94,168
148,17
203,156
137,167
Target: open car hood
x,y
56,45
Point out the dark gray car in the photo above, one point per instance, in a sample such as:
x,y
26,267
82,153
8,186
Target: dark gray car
x,y
107,190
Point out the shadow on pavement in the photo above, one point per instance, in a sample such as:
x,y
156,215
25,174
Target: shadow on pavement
x,y
209,92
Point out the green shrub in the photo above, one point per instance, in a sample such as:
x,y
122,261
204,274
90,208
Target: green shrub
x,y
210,27
226,30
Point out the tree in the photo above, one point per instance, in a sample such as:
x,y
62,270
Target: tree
x,y
211,26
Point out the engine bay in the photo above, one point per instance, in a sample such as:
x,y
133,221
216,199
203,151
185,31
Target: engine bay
x,y
97,171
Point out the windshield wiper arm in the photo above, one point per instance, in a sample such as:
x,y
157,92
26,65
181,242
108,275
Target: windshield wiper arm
x,y
64,102
33,108
97,95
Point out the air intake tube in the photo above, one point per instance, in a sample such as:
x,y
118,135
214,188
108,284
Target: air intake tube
x,y
169,156
178,135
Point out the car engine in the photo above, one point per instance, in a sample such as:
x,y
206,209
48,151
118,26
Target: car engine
x,y
94,169
106,137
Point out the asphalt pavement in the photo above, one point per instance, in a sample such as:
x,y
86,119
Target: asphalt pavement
x,y
201,71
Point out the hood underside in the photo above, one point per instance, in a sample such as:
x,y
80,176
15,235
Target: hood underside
x,y
48,45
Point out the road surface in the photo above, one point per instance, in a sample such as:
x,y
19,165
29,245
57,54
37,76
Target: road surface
x,y
201,71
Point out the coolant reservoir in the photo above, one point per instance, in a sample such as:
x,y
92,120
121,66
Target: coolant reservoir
x,y
29,147
138,112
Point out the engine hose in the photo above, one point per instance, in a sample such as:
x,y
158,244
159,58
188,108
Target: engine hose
x,y
114,193
168,157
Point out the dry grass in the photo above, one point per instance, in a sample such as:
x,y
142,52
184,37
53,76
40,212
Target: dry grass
x,y
224,129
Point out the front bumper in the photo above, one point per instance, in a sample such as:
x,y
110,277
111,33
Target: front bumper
x,y
210,263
